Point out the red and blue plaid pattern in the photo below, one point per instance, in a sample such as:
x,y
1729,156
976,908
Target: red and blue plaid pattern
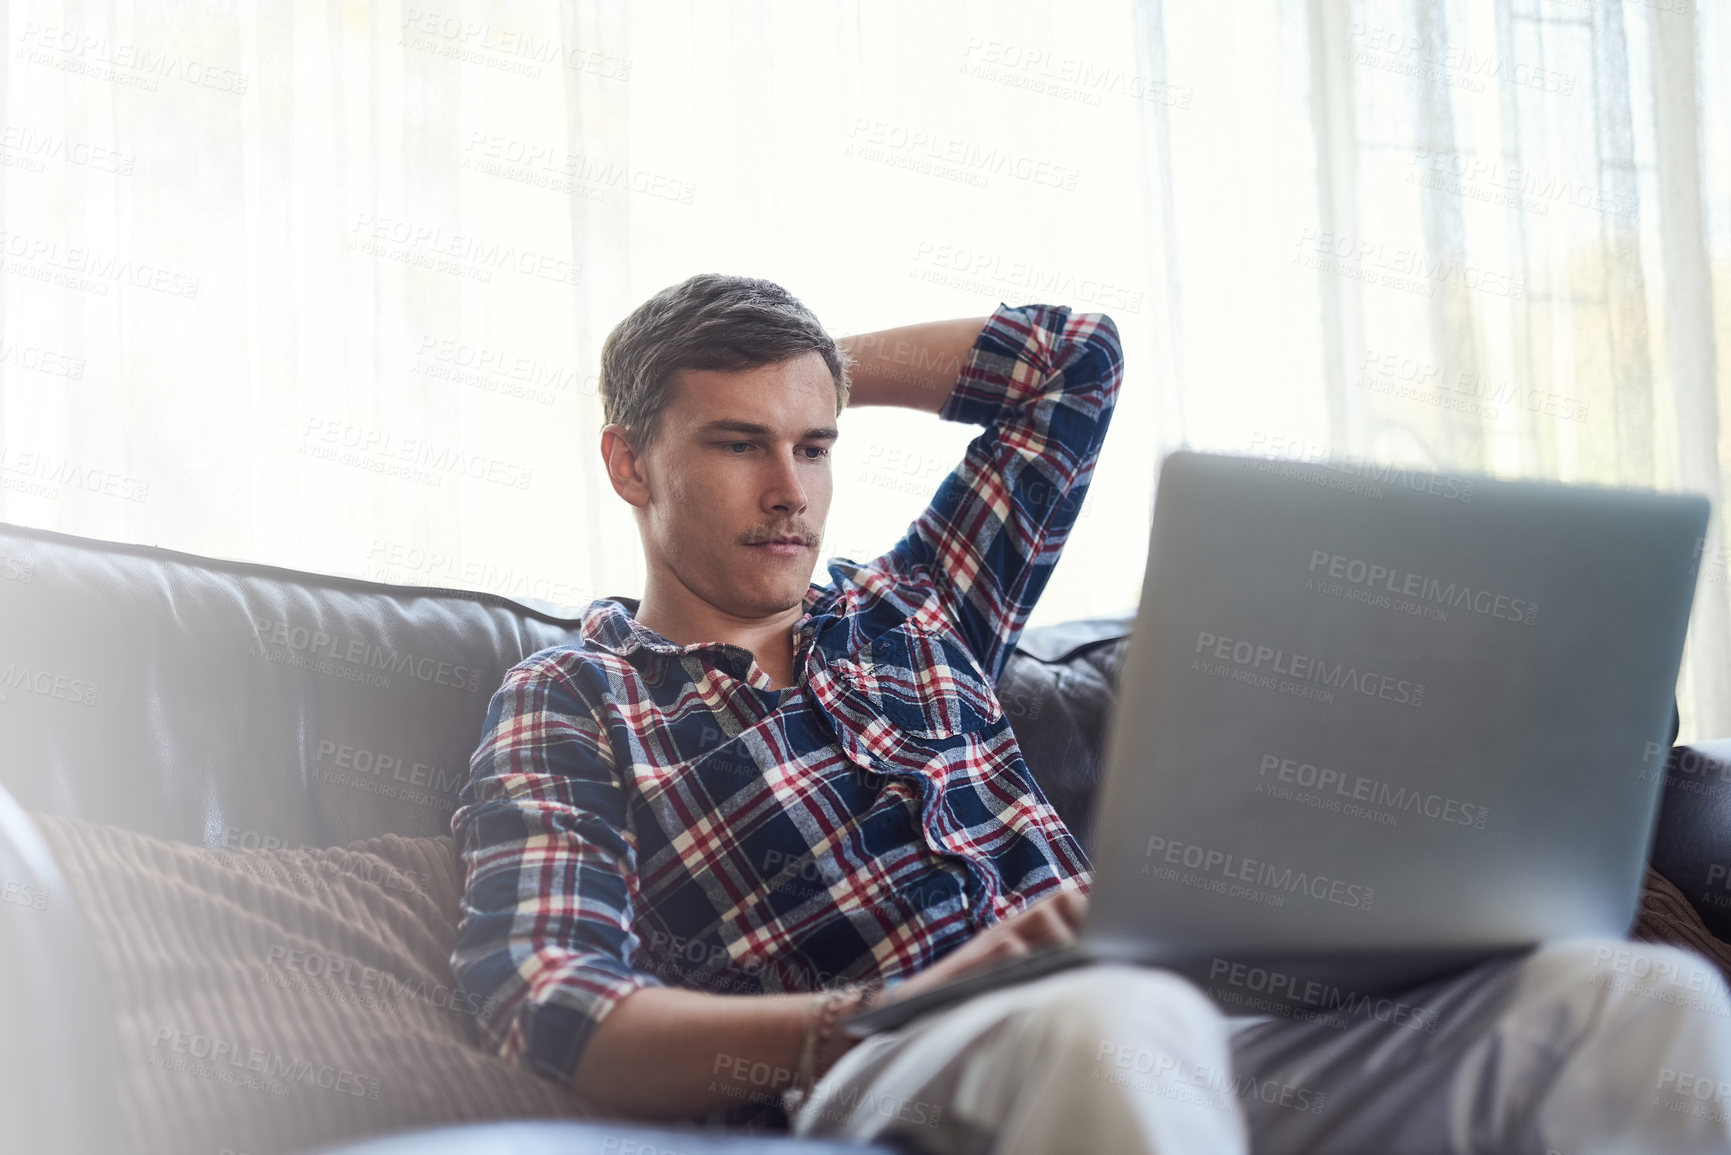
x,y
641,813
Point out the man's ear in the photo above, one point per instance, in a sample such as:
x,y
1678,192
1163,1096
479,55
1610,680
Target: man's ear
x,y
624,465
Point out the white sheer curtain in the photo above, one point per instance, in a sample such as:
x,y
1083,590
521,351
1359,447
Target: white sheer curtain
x,y
1486,235
324,286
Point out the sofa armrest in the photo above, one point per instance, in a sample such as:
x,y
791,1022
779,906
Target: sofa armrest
x,y
549,1137
59,1091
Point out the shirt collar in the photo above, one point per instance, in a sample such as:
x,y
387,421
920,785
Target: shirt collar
x,y
611,624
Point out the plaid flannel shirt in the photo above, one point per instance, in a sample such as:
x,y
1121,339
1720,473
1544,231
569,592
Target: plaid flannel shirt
x,y
641,813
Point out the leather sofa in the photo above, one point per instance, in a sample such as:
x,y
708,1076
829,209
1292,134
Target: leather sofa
x,y
207,701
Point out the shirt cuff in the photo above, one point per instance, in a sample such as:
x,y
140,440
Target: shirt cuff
x,y
1019,351
984,381
565,1008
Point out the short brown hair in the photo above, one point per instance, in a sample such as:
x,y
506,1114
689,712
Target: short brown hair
x,y
709,321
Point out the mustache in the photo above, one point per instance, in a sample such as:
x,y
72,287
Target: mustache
x,y
758,538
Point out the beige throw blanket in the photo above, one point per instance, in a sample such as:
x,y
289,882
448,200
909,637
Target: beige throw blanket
x,y
1666,916
270,1001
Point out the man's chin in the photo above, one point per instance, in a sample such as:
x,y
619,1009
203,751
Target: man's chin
x,y
784,599
753,597
780,603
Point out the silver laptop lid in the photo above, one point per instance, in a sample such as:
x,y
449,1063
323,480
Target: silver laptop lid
x,y
1373,707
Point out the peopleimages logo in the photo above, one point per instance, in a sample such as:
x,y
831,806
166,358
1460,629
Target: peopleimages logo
x,y
89,270
1334,786
1460,389
1284,991
31,895
342,971
1689,770
386,774
1366,476
65,687
208,1052
1172,1078
27,466
756,1081
1254,871
1305,675
382,451
1385,579
357,654
933,257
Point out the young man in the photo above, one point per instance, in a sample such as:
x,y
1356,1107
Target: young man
x,y
699,834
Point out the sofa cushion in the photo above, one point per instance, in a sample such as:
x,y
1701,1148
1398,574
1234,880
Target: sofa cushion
x,y
1057,690
269,1002
272,1001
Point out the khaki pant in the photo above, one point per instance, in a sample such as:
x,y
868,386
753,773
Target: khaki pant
x,y
1584,1046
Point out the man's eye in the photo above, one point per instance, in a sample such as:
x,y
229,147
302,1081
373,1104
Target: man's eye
x,y
736,445
818,452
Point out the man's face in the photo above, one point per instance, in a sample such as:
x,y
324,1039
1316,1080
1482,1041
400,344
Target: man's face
x,y
739,483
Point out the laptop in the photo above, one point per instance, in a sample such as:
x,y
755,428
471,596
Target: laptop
x,y
1375,725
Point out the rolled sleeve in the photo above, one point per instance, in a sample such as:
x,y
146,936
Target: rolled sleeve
x,y
544,930
1044,381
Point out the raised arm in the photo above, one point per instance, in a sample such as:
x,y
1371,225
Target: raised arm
x,y
915,366
1044,382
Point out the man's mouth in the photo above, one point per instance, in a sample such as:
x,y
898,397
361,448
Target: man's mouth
x,y
781,546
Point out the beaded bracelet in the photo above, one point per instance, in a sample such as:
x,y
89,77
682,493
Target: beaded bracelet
x,y
868,995
828,1011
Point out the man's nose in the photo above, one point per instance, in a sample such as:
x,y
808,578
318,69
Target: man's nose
x,y
784,490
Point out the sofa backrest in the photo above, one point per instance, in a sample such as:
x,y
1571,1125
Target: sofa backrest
x,y
228,703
